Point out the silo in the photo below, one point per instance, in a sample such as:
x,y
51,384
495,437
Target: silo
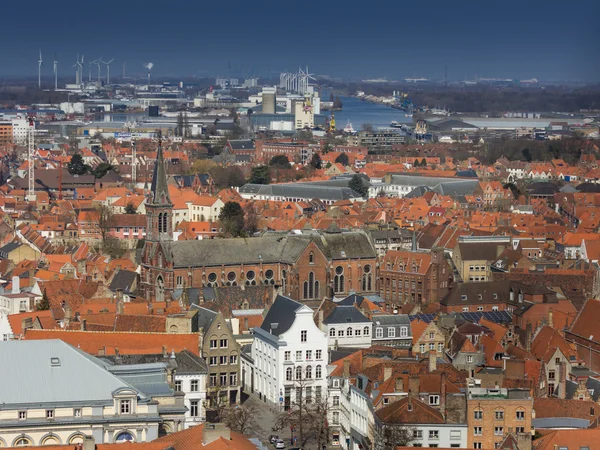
x,y
269,100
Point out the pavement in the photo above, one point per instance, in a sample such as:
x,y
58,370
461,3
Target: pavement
x,y
266,417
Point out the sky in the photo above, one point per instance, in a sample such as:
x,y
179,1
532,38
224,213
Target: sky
x,y
393,39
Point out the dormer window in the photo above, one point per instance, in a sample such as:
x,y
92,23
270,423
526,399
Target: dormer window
x,y
125,406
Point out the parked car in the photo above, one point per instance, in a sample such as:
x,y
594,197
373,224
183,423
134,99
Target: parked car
x,y
279,444
273,438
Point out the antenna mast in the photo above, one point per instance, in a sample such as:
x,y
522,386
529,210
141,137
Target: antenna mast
x,y
30,163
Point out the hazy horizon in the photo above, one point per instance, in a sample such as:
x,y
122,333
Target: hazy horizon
x,y
511,39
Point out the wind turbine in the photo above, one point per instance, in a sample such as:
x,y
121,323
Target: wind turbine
x,y
40,64
77,66
55,73
107,70
97,62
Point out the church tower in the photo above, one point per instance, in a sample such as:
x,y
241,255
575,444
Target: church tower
x,y
156,283
159,209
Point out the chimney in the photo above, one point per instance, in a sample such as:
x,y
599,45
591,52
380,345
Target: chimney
x,y
387,373
164,351
67,317
16,285
524,441
120,305
562,380
89,443
432,361
320,318
550,318
413,385
399,385
443,394
346,368
84,325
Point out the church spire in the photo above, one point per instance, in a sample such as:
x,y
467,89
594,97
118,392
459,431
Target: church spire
x,y
159,188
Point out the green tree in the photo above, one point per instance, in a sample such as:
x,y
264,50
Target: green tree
x,y
315,161
76,166
423,162
342,159
232,219
260,175
130,209
367,127
43,304
102,169
416,163
357,185
280,162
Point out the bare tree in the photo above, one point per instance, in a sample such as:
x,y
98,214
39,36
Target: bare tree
x,y
217,404
240,418
105,221
389,436
307,415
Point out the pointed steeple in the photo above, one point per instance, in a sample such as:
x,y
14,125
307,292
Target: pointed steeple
x,y
160,189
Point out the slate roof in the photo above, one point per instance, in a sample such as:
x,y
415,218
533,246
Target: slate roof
x,y
300,190
123,279
29,376
345,314
268,248
282,313
204,318
242,144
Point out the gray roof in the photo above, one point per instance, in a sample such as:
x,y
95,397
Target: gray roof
x,y
281,315
478,251
4,251
51,371
268,248
205,318
345,314
444,186
123,279
307,191
391,319
560,422
242,144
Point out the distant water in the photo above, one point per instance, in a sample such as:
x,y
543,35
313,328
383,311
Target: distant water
x,y
360,112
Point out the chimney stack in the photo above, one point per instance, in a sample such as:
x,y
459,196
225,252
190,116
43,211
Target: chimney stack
x,y
399,385
562,380
16,285
346,368
387,373
89,443
68,315
432,361
443,394
413,385
120,305
320,315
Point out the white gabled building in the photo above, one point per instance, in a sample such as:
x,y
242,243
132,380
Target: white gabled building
x,y
346,326
289,355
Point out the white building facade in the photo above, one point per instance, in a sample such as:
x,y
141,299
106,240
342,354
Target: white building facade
x,y
289,355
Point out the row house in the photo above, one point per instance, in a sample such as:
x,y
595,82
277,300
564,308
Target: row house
x,y
288,361
414,277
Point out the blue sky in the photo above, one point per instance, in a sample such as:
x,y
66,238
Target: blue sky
x,y
549,40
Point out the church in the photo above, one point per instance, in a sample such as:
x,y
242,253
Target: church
x,y
305,265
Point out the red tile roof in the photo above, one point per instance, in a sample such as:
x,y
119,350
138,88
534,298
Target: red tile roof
x,y
127,343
